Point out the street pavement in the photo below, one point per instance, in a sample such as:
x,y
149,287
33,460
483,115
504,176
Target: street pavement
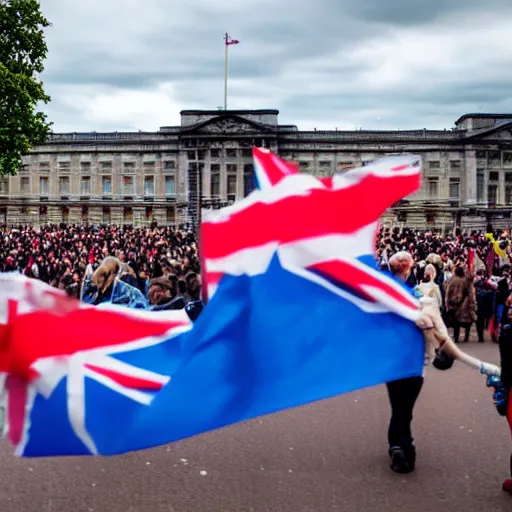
x,y
327,456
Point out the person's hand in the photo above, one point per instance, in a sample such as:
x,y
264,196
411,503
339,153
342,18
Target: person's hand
x,y
424,322
490,369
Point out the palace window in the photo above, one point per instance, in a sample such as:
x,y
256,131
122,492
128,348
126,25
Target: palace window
x,y
247,153
65,214
105,166
128,185
44,166
169,164
64,185
149,165
106,215
43,186
455,165
231,153
85,214
494,176
434,165
85,185
215,153
433,188
231,185
106,185
64,166
201,155
248,179
4,185
129,166
303,164
494,157
25,185
128,215
149,185
492,194
215,184
231,168
191,155
507,158
85,167
325,164
508,194
170,185
454,188
170,215
480,185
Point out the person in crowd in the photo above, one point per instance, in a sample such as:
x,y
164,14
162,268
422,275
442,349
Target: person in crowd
x,y
461,302
502,387
429,287
485,292
110,283
163,294
403,393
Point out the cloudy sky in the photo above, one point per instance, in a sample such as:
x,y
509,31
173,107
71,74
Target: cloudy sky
x,y
375,64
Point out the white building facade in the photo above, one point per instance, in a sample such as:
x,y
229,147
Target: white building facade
x,y
163,177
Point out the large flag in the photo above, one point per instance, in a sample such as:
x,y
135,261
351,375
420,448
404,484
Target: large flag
x,y
300,315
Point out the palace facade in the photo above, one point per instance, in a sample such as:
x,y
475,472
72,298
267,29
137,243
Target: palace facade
x,y
162,177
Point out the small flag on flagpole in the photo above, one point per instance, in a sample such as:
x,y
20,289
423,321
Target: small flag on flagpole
x,y
230,41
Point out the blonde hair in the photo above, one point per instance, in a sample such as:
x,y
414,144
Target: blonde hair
x,y
400,262
431,271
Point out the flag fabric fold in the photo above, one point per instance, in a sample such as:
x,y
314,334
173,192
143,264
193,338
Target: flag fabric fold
x,y
300,314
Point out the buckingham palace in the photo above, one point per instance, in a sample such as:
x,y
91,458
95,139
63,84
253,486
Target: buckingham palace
x,y
163,177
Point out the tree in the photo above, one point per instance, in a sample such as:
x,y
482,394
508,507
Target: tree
x,y
23,50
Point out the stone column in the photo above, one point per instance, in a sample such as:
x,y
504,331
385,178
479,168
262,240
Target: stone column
x,y
469,178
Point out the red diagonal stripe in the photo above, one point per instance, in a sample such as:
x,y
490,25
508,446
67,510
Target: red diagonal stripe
x,y
356,278
43,334
126,381
320,212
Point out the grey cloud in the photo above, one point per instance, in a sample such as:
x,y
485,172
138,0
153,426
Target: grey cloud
x,y
103,43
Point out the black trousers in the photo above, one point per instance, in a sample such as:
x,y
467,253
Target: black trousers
x,y
456,331
403,394
481,324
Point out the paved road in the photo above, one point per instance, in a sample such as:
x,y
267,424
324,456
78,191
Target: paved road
x,y
329,456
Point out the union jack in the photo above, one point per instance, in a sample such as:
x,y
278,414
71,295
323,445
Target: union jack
x,y
322,229
81,342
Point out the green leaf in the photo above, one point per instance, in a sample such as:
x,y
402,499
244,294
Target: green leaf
x,y
23,51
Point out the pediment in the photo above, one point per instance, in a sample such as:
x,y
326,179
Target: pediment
x,y
228,126
502,135
496,133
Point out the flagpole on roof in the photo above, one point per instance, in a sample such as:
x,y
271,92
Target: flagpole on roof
x,y
228,43
226,37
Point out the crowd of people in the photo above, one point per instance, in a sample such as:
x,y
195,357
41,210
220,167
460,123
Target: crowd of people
x,y
154,268
159,268
468,274
464,276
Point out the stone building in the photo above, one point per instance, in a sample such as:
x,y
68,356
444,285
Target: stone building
x,y
142,178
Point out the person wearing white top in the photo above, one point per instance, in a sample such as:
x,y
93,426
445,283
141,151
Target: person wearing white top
x,y
403,393
428,286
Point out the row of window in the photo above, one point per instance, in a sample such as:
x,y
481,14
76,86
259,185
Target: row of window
x,y
433,188
170,214
219,153
495,156
127,185
85,167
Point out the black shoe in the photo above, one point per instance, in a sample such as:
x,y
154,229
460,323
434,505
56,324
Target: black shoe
x,y
402,461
